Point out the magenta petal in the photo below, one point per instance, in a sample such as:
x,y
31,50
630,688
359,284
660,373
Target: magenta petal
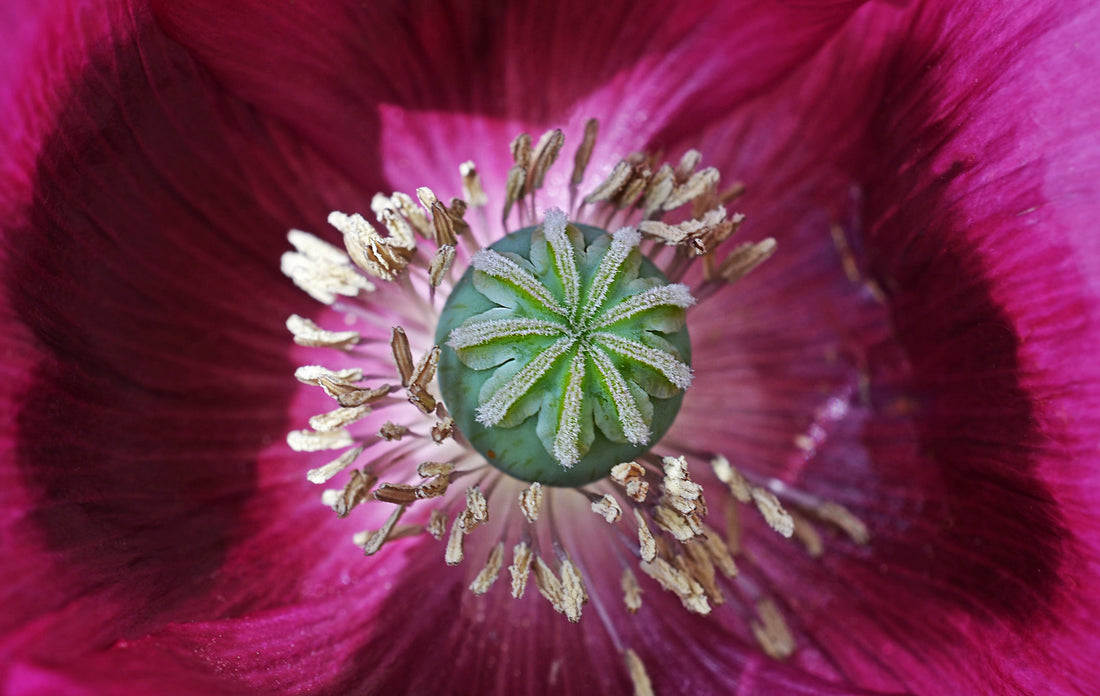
x,y
325,67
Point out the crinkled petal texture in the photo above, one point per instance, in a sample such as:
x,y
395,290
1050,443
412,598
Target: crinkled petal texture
x,y
921,348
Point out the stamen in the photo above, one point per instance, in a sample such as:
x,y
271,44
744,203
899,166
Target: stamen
x,y
402,355
632,591
471,185
375,540
392,432
312,374
647,545
691,593
545,154
638,676
306,333
326,472
443,429
771,631
772,511
321,270
744,259
584,151
489,573
843,518
441,265
730,476
454,553
312,441
631,476
355,491
530,500
607,507
437,525
520,568
383,257
339,418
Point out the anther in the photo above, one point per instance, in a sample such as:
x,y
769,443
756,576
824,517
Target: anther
x,y
313,441
471,185
607,507
773,512
530,500
488,574
638,676
632,591
338,418
402,355
326,472
584,151
771,631
520,568
307,333
647,545
374,541
392,432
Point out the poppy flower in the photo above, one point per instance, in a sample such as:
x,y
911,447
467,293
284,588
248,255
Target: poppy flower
x,y
883,472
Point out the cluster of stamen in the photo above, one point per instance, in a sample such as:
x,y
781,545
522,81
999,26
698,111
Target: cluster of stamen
x,y
655,498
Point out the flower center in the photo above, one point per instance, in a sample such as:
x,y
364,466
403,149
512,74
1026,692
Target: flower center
x,y
566,352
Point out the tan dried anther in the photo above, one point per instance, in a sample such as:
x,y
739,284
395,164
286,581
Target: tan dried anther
x,y
513,188
350,398
437,525
440,265
392,432
477,509
683,585
434,487
804,532
430,469
443,226
337,418
574,594
647,545
607,507
614,183
548,584
354,492
521,150
683,528
697,185
488,574
374,541
313,441
312,374
530,500
584,150
840,516
730,476
679,491
700,566
422,376
396,493
631,476
383,257
307,333
443,429
402,354
638,675
632,591
326,472
520,569
719,552
454,553
773,511
687,164
472,189
320,269
744,259
545,154
771,631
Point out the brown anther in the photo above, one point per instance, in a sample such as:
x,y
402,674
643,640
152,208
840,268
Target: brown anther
x,y
660,188
632,190
698,185
356,491
520,568
443,429
733,530
313,441
326,472
574,594
530,500
744,259
359,397
718,551
422,376
313,374
513,189
374,542
730,476
402,355
841,517
338,418
584,151
307,333
396,493
443,225
489,573
700,566
638,676
681,584
521,150
440,265
647,545
429,469
437,525
477,509
384,257
773,511
632,591
434,487
771,631
392,432
454,553
614,182
631,476
471,185
804,531
607,507
545,154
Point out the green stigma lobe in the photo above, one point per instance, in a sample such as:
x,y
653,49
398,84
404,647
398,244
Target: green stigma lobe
x,y
565,352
